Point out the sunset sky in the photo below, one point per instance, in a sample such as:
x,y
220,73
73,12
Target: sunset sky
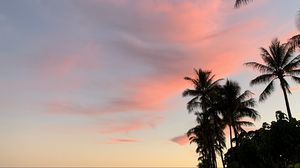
x,y
99,82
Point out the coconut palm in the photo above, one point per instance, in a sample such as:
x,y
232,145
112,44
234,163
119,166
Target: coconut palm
x,y
207,141
203,84
234,107
279,63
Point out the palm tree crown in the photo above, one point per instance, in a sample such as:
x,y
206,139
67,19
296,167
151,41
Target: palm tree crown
x,y
204,84
279,63
234,106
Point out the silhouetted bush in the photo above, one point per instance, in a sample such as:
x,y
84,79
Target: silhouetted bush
x,y
276,146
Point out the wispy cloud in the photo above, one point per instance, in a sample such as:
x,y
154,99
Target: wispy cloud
x,y
142,66
122,140
132,124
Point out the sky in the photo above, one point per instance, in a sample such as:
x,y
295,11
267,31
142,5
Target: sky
x,y
99,82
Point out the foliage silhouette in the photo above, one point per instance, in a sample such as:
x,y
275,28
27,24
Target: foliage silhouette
x,y
215,107
234,106
278,64
276,145
207,135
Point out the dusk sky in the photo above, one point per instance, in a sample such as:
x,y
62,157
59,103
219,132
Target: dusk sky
x,y
99,82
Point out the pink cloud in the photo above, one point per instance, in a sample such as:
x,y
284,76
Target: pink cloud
x,y
122,140
72,108
169,53
186,35
135,124
63,63
181,140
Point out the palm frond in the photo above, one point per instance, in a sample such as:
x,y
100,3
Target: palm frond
x,y
260,67
245,123
293,72
294,63
194,81
276,51
216,82
265,78
296,79
189,92
245,95
267,91
238,3
248,103
193,105
249,112
294,41
267,58
287,56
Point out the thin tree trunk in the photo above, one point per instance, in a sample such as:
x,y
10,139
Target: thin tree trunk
x,y
230,134
214,159
286,100
222,158
236,135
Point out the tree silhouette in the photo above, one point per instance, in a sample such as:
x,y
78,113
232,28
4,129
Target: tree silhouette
x,y
279,64
234,106
275,145
204,85
206,134
210,138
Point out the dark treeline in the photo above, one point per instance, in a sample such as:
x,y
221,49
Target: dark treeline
x,y
219,104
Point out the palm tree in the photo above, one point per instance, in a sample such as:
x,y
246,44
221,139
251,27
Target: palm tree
x,y
204,85
208,141
279,64
234,107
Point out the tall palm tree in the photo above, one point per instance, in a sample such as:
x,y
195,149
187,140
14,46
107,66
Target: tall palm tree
x,y
234,107
204,85
279,64
208,140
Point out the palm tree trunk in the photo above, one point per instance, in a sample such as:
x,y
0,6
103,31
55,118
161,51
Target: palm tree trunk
x,y
286,100
230,134
236,135
222,158
214,159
